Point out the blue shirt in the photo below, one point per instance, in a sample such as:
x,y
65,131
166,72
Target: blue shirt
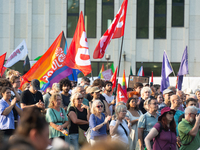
x,y
93,122
6,122
176,117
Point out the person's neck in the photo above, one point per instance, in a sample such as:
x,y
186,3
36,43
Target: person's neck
x,y
64,93
98,114
120,119
152,112
33,92
167,103
108,93
173,107
57,108
132,109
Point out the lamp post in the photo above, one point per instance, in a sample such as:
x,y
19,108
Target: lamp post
x,y
107,58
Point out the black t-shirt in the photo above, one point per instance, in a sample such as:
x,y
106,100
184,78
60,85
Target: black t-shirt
x,y
141,106
89,97
80,115
29,98
66,100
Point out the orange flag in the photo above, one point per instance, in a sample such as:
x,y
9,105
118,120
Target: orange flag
x,y
2,68
114,78
121,96
78,56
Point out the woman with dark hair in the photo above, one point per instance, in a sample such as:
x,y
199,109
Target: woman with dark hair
x,y
34,127
163,132
133,113
7,108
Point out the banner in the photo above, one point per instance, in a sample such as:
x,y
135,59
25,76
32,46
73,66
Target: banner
x,y
19,53
107,74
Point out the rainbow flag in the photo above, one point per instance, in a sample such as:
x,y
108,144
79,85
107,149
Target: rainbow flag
x,y
124,86
141,72
112,67
100,76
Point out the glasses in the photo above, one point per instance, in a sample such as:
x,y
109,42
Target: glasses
x,y
80,98
194,114
170,113
124,111
99,106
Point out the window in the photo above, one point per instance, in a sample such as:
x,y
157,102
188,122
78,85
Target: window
x,y
72,16
107,14
142,19
156,67
90,18
177,13
160,19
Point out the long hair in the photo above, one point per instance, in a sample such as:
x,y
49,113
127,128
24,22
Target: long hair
x,y
53,98
172,125
128,104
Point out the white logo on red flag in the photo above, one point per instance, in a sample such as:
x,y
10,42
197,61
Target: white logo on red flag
x,y
121,96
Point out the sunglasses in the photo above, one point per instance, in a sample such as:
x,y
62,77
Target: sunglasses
x,y
80,98
99,106
170,113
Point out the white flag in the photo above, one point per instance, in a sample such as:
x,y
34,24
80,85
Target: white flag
x,y
20,52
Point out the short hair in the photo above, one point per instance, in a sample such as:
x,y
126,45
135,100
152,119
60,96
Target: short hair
x,y
190,109
120,103
129,89
190,100
149,100
119,108
3,90
53,98
85,79
75,90
108,82
144,89
13,78
56,87
137,84
94,104
5,82
73,97
98,82
65,82
24,86
171,87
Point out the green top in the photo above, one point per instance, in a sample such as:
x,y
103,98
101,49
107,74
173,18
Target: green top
x,y
184,128
61,119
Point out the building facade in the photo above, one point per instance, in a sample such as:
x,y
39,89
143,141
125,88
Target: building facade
x,y
152,26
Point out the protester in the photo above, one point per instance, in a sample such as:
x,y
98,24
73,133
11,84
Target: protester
x,y
173,89
56,117
65,86
108,96
85,81
15,81
25,86
79,116
7,107
133,113
137,87
197,93
145,94
147,121
163,132
189,129
32,97
159,99
181,95
34,127
119,130
98,122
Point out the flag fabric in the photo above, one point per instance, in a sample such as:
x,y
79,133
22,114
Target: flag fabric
x,y
121,96
26,65
151,83
166,71
115,30
131,72
20,52
36,59
141,72
112,67
51,61
2,68
114,79
124,85
100,76
57,76
74,75
183,70
78,56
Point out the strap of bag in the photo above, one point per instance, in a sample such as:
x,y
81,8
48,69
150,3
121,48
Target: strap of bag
x,y
56,116
189,142
124,129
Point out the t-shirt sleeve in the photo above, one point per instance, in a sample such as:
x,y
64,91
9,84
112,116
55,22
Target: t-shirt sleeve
x,y
141,121
112,123
182,128
50,116
157,126
24,97
72,109
2,107
92,121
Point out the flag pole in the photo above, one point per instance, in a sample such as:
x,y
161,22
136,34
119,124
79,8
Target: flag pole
x,y
170,64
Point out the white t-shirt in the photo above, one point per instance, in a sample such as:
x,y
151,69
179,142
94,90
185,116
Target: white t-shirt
x,y
121,135
109,99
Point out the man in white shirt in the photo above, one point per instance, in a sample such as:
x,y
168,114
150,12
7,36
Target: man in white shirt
x,y
108,95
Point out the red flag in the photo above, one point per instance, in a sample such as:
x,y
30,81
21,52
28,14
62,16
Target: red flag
x,y
2,59
115,30
121,96
78,56
114,78
151,83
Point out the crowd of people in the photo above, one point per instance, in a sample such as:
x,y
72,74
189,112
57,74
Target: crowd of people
x,y
86,116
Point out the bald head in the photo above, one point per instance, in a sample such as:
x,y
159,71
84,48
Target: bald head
x,y
181,95
175,101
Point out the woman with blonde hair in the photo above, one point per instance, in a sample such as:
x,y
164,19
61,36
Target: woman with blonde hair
x,y
145,94
98,122
79,115
56,117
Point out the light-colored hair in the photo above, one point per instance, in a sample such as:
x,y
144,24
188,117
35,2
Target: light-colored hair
x,y
120,103
190,109
94,105
56,87
76,89
119,109
144,89
53,98
74,97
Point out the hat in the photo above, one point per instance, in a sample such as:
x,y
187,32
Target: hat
x,y
166,91
165,110
95,89
35,84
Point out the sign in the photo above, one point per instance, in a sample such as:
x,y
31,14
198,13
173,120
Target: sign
x,y
133,79
107,74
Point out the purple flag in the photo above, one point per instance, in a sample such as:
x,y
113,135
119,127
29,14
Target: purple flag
x,y
183,70
166,71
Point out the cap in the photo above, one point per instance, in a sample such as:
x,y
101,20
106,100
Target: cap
x,y
166,91
95,89
35,84
165,110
